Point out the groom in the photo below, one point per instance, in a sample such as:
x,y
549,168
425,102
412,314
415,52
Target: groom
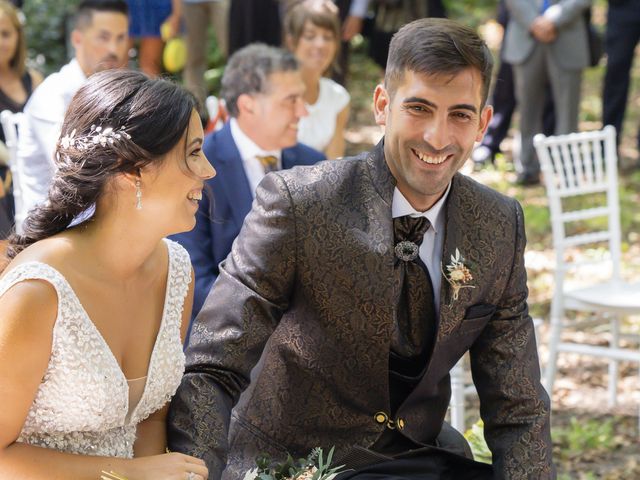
x,y
355,286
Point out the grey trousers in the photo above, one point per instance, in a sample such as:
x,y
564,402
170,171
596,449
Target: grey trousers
x,y
197,18
530,80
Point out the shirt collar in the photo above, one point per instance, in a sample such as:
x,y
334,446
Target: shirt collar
x,y
247,147
400,207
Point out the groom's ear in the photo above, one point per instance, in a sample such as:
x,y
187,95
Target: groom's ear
x,y
381,103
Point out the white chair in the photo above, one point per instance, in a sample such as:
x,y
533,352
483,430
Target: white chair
x,y
10,123
461,387
217,110
459,390
584,165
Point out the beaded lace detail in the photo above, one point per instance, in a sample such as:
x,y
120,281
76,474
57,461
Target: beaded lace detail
x,y
81,404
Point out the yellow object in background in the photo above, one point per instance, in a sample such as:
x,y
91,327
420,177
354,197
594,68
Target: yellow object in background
x,y
166,32
174,55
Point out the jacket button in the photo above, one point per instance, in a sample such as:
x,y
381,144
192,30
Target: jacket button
x,y
400,423
381,418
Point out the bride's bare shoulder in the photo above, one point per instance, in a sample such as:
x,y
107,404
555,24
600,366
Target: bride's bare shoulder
x,y
55,251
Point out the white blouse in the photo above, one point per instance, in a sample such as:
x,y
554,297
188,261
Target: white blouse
x,y
317,129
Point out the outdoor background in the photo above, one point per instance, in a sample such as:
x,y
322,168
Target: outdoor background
x,y
592,440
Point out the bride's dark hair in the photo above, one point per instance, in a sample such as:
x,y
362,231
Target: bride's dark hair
x,y
150,116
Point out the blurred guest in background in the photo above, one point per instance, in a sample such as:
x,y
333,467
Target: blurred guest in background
x,y
198,16
622,38
545,42
100,41
352,17
16,84
389,16
146,18
263,90
254,21
312,33
503,100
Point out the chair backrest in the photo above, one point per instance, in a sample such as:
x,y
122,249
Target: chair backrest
x,y
10,123
582,165
218,115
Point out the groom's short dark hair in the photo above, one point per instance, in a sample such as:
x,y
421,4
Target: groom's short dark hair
x,y
433,46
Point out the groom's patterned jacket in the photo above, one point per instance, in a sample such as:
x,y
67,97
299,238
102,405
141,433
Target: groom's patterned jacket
x,y
308,291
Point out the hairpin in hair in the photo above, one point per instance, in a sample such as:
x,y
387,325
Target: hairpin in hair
x,y
97,136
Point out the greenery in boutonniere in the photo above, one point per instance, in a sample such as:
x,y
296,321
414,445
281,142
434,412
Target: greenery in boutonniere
x,y
314,467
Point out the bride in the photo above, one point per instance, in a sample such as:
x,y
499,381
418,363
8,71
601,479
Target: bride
x,y
94,304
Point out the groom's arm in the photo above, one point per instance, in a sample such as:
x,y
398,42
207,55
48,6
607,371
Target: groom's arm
x,y
506,371
237,319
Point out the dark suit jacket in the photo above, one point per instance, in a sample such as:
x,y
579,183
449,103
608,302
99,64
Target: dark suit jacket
x,y
222,211
309,290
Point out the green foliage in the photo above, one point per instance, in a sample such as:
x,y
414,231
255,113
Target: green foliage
x,y
584,435
471,12
583,476
479,447
46,31
314,467
215,65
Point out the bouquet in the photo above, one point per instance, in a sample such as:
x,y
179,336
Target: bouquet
x,y
314,467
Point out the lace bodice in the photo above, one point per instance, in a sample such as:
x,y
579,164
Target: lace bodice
x,y
81,406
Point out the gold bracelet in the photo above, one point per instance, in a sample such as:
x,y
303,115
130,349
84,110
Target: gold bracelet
x,y
111,475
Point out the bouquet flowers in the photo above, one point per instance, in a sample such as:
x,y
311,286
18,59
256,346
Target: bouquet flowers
x,y
314,467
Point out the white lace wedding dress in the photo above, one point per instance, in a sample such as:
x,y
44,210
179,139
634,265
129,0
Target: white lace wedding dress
x,y
82,405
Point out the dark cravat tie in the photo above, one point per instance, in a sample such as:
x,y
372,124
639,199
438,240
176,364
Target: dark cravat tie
x,y
416,310
269,162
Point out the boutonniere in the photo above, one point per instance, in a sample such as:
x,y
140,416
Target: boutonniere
x,y
457,274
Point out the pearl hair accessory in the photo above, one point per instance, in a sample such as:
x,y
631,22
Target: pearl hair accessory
x,y
97,136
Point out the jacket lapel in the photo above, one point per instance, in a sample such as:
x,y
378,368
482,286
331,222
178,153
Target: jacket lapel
x,y
231,170
459,236
381,239
381,178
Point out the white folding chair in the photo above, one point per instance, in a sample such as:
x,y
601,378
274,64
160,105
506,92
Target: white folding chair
x,y
217,110
10,123
459,390
461,387
584,166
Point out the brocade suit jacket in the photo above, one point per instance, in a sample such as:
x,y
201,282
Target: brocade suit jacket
x,y
308,290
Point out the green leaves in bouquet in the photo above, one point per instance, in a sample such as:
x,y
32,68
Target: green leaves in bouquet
x,y
314,467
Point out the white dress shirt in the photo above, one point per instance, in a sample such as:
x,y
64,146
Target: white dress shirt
x,y
39,131
431,247
249,153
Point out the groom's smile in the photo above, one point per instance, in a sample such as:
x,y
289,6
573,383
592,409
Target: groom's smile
x,y
431,124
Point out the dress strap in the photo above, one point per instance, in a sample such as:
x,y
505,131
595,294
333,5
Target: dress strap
x,y
178,281
33,271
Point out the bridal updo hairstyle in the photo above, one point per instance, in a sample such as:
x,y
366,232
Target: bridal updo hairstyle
x,y
150,116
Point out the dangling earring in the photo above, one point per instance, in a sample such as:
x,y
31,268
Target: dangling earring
x,y
138,195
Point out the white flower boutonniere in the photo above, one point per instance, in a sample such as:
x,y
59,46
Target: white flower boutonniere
x,y
458,274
